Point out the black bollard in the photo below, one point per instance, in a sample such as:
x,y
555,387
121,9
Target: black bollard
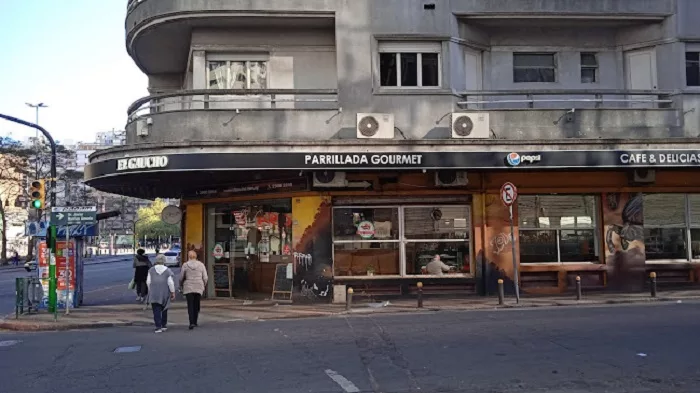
x,y
652,279
420,294
578,288
501,292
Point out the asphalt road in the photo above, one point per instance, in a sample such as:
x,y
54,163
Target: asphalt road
x,y
105,283
650,348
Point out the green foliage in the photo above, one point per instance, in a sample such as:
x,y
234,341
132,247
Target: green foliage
x,y
150,224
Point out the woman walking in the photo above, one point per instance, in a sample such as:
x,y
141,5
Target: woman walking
x,y
193,281
161,290
141,266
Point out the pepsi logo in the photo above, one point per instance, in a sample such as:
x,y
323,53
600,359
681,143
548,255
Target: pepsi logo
x,y
513,159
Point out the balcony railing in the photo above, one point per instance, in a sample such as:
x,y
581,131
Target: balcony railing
x,y
236,100
568,99
131,4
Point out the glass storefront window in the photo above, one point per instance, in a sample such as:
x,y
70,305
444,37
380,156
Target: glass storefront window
x,y
665,227
366,259
453,254
557,228
694,222
249,233
370,241
444,222
359,224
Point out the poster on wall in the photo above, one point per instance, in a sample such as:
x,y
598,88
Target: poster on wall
x,y
65,266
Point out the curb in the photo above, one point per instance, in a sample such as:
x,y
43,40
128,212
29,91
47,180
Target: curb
x,y
20,326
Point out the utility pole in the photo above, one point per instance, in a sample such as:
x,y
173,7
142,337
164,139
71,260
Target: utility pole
x,y
36,138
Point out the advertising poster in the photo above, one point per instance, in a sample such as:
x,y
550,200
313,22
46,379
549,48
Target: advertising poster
x,y
65,265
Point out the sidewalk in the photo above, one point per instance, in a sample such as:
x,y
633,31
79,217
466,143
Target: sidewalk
x,y
229,310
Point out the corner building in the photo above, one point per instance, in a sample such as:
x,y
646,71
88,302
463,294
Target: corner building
x,y
353,140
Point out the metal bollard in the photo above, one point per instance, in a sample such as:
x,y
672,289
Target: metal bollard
x,y
578,287
652,279
348,299
501,292
420,294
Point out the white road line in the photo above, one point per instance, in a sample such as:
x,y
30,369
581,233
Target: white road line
x,y
344,383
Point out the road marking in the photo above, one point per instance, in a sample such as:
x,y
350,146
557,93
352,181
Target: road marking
x,y
9,343
128,349
344,383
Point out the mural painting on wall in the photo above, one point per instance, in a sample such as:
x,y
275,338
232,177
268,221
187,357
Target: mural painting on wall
x,y
623,218
313,258
495,258
194,236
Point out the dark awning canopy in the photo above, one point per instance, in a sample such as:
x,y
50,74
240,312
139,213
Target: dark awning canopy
x,y
169,172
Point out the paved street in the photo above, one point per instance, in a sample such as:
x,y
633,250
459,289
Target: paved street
x,y
105,283
650,348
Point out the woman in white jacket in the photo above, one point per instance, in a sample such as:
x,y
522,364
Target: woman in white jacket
x,y
193,281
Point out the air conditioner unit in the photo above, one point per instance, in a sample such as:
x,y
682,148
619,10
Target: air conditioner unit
x,y
375,126
470,125
330,179
451,178
643,176
142,127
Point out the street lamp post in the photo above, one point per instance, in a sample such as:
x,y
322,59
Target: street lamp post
x,y
36,139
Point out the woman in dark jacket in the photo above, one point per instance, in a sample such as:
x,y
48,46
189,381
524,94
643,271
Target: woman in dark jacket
x,y
141,266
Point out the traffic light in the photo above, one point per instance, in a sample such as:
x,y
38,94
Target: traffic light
x,y
37,194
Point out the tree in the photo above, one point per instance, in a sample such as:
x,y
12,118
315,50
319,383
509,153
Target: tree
x,y
20,164
13,172
149,223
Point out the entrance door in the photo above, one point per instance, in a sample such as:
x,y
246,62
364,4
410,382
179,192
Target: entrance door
x,y
641,74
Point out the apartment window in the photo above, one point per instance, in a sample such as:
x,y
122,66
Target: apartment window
x,y
557,228
671,223
589,68
229,72
692,68
409,65
534,67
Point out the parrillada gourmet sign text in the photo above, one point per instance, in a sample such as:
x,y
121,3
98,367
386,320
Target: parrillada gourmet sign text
x,y
364,159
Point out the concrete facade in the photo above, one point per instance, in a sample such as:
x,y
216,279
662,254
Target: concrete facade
x,y
333,45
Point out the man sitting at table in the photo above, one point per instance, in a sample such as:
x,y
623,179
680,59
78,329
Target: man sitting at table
x,y
436,267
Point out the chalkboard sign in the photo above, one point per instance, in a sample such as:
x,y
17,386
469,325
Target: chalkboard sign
x,y
284,284
222,278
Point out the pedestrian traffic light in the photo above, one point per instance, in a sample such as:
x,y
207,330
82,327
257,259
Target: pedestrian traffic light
x,y
37,193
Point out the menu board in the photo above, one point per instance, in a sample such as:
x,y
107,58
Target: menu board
x,y
284,283
222,278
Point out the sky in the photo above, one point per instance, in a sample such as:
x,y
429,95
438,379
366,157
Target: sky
x,y
70,55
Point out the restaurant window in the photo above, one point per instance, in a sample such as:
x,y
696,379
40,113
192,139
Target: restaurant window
x,y
694,230
401,240
252,237
671,224
366,241
557,228
431,231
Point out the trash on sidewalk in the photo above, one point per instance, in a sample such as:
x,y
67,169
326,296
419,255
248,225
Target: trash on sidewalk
x,y
642,355
379,305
